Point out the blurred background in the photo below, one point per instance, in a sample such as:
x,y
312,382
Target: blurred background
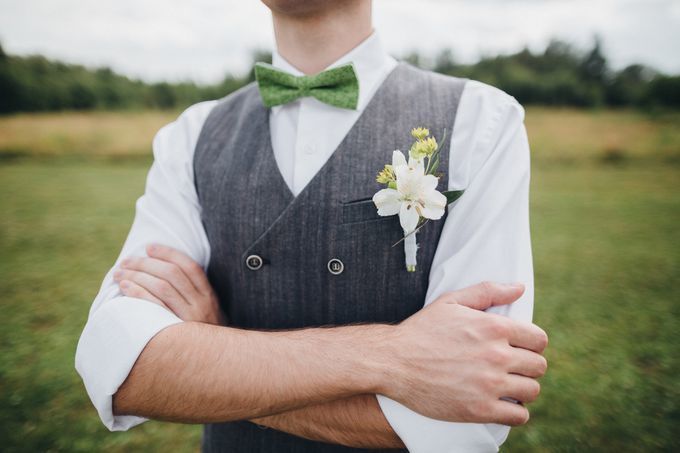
x,y
84,86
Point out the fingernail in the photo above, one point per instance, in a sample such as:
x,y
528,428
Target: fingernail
x,y
125,262
151,248
516,285
124,284
117,275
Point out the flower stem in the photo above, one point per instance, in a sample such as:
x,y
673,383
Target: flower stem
x,y
412,232
410,248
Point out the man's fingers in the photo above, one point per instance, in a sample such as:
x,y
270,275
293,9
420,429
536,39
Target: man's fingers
x,y
521,388
164,270
528,363
528,336
507,413
190,267
132,289
158,288
486,294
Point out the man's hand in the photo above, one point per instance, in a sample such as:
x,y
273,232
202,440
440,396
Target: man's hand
x,y
455,362
171,279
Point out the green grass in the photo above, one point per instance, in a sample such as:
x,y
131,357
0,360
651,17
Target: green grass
x,y
607,266
607,262
62,226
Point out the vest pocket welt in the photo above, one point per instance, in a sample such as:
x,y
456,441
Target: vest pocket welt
x,y
365,246
359,211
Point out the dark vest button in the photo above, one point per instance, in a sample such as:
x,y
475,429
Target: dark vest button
x,y
335,266
254,262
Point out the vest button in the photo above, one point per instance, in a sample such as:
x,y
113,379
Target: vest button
x,y
335,266
254,262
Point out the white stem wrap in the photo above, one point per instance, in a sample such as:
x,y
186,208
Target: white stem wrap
x,y
410,248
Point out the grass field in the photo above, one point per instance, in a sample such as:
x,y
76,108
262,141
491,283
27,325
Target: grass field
x,y
605,216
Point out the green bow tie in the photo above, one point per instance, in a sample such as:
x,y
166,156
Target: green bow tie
x,y
337,86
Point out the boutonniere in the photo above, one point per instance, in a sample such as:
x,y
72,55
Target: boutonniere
x,y
411,190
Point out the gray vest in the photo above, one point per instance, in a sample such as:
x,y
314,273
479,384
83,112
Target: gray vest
x,y
323,257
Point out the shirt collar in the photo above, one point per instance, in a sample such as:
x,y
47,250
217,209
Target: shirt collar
x,y
369,58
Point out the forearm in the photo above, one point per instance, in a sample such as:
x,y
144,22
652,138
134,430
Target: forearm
x,y
198,373
354,422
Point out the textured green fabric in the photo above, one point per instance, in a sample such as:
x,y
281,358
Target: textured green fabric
x,y
337,86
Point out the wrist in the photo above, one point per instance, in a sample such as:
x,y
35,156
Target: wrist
x,y
378,359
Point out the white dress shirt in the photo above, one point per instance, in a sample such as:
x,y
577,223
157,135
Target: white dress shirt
x,y
485,235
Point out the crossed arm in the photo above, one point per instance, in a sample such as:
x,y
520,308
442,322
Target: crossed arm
x,y
355,421
319,383
216,383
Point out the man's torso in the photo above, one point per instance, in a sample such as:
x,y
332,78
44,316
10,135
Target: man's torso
x,y
323,256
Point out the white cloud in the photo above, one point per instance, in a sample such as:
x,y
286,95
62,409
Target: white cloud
x,y
203,39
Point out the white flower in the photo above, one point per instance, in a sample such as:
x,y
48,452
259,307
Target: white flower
x,y
398,159
416,194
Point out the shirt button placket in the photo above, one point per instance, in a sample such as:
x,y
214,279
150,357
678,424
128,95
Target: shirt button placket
x,y
305,146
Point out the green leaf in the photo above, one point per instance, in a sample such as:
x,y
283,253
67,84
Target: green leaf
x,y
452,195
434,165
443,140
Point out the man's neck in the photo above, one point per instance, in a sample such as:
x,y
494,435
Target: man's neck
x,y
312,43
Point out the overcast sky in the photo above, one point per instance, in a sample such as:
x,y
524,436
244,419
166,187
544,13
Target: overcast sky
x,y
203,39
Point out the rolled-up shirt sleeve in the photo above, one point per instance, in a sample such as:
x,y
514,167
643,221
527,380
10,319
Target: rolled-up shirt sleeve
x,y
486,236
119,327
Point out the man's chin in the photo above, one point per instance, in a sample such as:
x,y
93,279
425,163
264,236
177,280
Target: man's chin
x,y
305,7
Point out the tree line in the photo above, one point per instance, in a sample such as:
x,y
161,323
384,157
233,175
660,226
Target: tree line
x,y
558,76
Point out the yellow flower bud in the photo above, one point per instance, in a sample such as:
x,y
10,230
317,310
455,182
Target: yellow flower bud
x,y
386,175
423,148
432,145
420,133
